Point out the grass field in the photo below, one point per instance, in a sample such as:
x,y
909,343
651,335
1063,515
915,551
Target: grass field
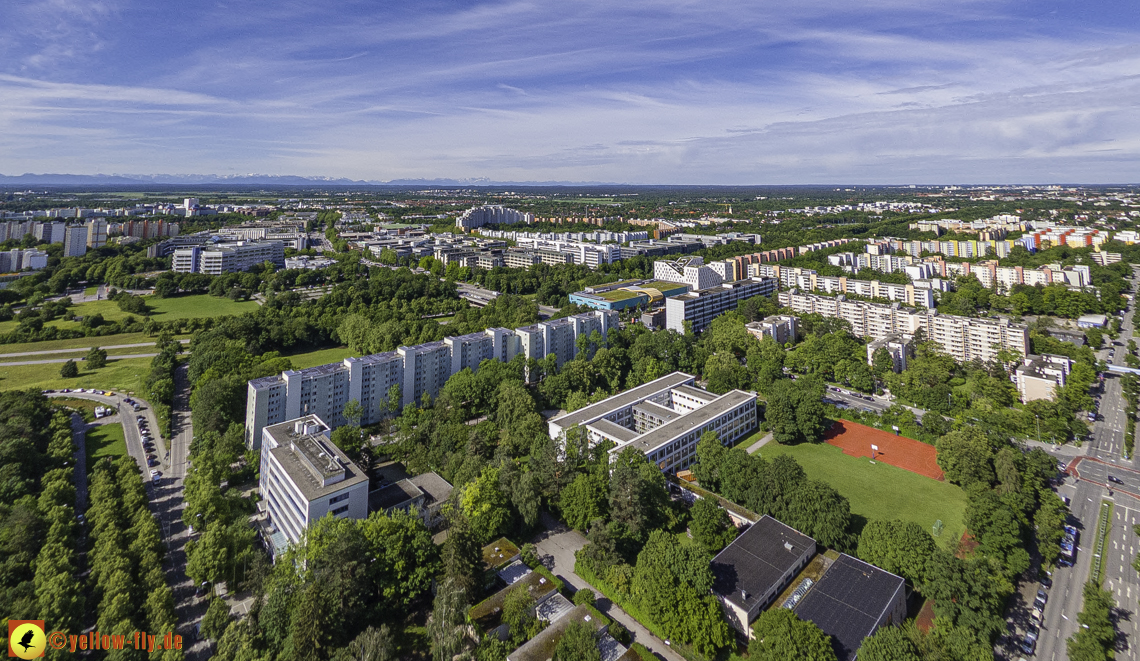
x,y
82,343
162,309
881,491
104,441
119,374
319,357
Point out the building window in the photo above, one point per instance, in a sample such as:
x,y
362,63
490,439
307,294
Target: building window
x,y
340,510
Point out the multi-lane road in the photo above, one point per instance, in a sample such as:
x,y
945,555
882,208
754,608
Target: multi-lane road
x,y
1106,444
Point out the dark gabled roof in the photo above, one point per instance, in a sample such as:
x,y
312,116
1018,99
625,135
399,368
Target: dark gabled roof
x,y
757,560
848,601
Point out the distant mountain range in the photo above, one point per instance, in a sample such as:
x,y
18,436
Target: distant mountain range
x,y
30,179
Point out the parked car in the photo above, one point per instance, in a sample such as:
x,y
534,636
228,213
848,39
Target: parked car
x,y
1042,594
1028,645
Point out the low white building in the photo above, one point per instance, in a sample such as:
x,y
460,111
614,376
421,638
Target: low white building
x,y
664,419
305,477
1038,377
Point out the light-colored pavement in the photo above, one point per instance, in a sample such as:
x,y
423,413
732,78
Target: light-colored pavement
x,y
755,447
556,546
83,349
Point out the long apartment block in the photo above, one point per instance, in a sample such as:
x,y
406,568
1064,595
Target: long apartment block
x,y
963,338
700,307
664,419
408,372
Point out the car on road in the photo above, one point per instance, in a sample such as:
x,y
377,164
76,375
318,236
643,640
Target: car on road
x,y
1115,480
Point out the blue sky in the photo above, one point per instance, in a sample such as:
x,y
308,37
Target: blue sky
x,y
709,92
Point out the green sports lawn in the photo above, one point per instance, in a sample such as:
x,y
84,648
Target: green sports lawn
x,y
880,491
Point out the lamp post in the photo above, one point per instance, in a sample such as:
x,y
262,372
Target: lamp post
x,y
1038,427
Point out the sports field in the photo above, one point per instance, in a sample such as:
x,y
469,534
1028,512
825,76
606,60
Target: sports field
x,y
879,490
856,440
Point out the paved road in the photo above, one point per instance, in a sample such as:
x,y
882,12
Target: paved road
x,y
1106,444
82,349
556,545
48,361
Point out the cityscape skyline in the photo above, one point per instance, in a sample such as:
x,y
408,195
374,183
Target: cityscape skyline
x,y
660,93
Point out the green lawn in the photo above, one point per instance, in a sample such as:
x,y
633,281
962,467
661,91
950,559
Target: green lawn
x,y
105,441
80,343
319,357
880,491
90,291
119,374
163,309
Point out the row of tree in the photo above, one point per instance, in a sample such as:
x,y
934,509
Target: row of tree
x,y
127,582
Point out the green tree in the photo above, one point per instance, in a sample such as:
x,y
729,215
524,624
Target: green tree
x,y
964,455
373,644
353,412
485,506
578,643
638,499
779,635
795,410
584,500
889,644
96,358
711,526
446,627
518,614
69,370
710,455
899,547
216,620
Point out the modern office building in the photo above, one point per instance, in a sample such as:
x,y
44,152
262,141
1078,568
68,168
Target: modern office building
x,y
222,258
700,307
690,271
963,338
407,373
664,419
1038,377
304,476
75,241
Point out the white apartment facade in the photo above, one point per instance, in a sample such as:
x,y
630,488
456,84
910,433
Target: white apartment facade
x,y
690,271
305,477
963,338
326,389
701,307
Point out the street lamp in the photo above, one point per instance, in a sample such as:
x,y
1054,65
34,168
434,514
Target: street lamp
x,y
1038,427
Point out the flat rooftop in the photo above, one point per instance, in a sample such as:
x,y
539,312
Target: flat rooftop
x,y
656,410
654,438
309,461
696,393
608,428
849,601
756,561
622,400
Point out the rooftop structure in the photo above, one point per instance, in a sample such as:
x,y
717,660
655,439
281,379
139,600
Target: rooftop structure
x,y
304,476
1038,377
752,571
851,601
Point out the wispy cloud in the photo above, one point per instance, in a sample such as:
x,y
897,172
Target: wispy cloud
x,y
660,91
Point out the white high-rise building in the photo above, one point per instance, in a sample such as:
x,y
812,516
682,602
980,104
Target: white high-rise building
x,y
305,477
75,241
411,371
96,233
